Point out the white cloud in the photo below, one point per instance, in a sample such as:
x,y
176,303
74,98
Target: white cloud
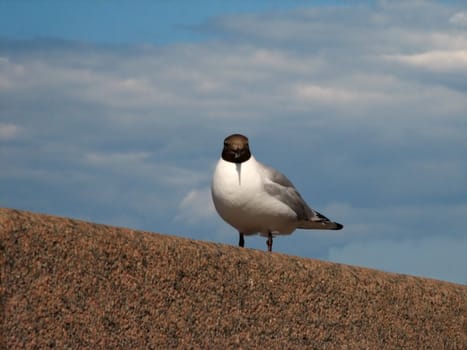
x,y
459,18
119,159
9,131
141,167
317,93
442,61
340,94
196,206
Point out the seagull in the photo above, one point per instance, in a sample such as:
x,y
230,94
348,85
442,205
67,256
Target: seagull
x,y
255,198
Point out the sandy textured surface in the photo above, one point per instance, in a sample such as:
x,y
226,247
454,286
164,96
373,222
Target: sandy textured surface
x,y
69,284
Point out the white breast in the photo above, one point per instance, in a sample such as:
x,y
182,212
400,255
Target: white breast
x,y
240,199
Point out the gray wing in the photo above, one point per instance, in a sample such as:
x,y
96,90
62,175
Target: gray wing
x,y
280,187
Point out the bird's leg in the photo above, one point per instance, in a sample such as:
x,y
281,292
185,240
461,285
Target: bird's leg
x,y
241,242
269,241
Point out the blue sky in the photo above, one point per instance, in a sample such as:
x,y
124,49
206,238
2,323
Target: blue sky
x,y
115,112
117,22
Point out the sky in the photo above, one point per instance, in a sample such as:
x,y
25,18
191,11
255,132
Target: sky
x,y
115,112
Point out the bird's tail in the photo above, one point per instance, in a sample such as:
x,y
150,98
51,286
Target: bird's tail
x,y
319,222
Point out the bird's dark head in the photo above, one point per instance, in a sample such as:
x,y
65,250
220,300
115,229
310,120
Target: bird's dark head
x,y
236,149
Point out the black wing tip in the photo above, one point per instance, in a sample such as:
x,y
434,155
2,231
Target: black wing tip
x,y
331,225
321,225
337,226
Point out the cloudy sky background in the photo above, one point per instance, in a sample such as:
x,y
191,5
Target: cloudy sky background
x,y
115,112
